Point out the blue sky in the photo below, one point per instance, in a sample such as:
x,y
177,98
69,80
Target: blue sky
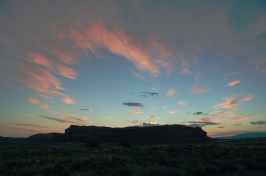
x,y
123,63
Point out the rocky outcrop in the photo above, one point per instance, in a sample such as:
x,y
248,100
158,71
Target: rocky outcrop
x,y
155,134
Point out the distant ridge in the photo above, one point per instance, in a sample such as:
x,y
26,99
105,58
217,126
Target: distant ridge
x,y
246,135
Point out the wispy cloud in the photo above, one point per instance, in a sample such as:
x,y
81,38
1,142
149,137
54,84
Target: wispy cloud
x,y
216,121
224,133
86,109
118,42
52,65
227,113
232,102
260,64
27,125
135,111
185,71
200,113
34,100
230,74
182,102
71,116
172,111
246,98
23,130
66,120
133,104
151,93
258,123
171,92
133,121
42,82
200,89
201,122
233,83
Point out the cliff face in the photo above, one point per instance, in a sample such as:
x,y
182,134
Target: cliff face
x,y
156,134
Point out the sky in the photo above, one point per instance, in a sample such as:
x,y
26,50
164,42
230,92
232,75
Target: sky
x,y
121,63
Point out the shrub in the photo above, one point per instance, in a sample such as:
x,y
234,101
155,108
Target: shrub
x,y
227,166
211,170
92,144
125,143
250,165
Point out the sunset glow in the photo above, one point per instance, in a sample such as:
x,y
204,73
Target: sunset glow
x,y
125,63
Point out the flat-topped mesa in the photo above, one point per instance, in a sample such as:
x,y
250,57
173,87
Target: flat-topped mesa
x,y
154,134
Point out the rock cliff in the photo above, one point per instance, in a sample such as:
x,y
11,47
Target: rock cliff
x,y
155,134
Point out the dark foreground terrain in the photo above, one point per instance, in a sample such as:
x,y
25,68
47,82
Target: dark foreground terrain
x,y
216,157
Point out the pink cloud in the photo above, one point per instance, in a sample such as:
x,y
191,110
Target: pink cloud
x,y
215,134
205,120
231,103
34,100
247,98
233,83
65,57
182,103
79,118
118,42
43,82
257,63
224,113
52,65
172,111
230,74
67,100
200,89
219,120
135,111
171,92
185,71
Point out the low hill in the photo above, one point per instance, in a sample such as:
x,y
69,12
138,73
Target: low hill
x,y
247,135
43,137
141,135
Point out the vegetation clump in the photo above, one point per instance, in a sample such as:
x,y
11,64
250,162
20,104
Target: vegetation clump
x,y
91,144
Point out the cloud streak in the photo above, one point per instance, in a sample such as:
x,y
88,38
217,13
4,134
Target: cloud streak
x,y
68,119
27,125
182,103
36,101
232,102
52,65
258,123
118,42
135,111
200,113
233,83
200,89
133,104
172,111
